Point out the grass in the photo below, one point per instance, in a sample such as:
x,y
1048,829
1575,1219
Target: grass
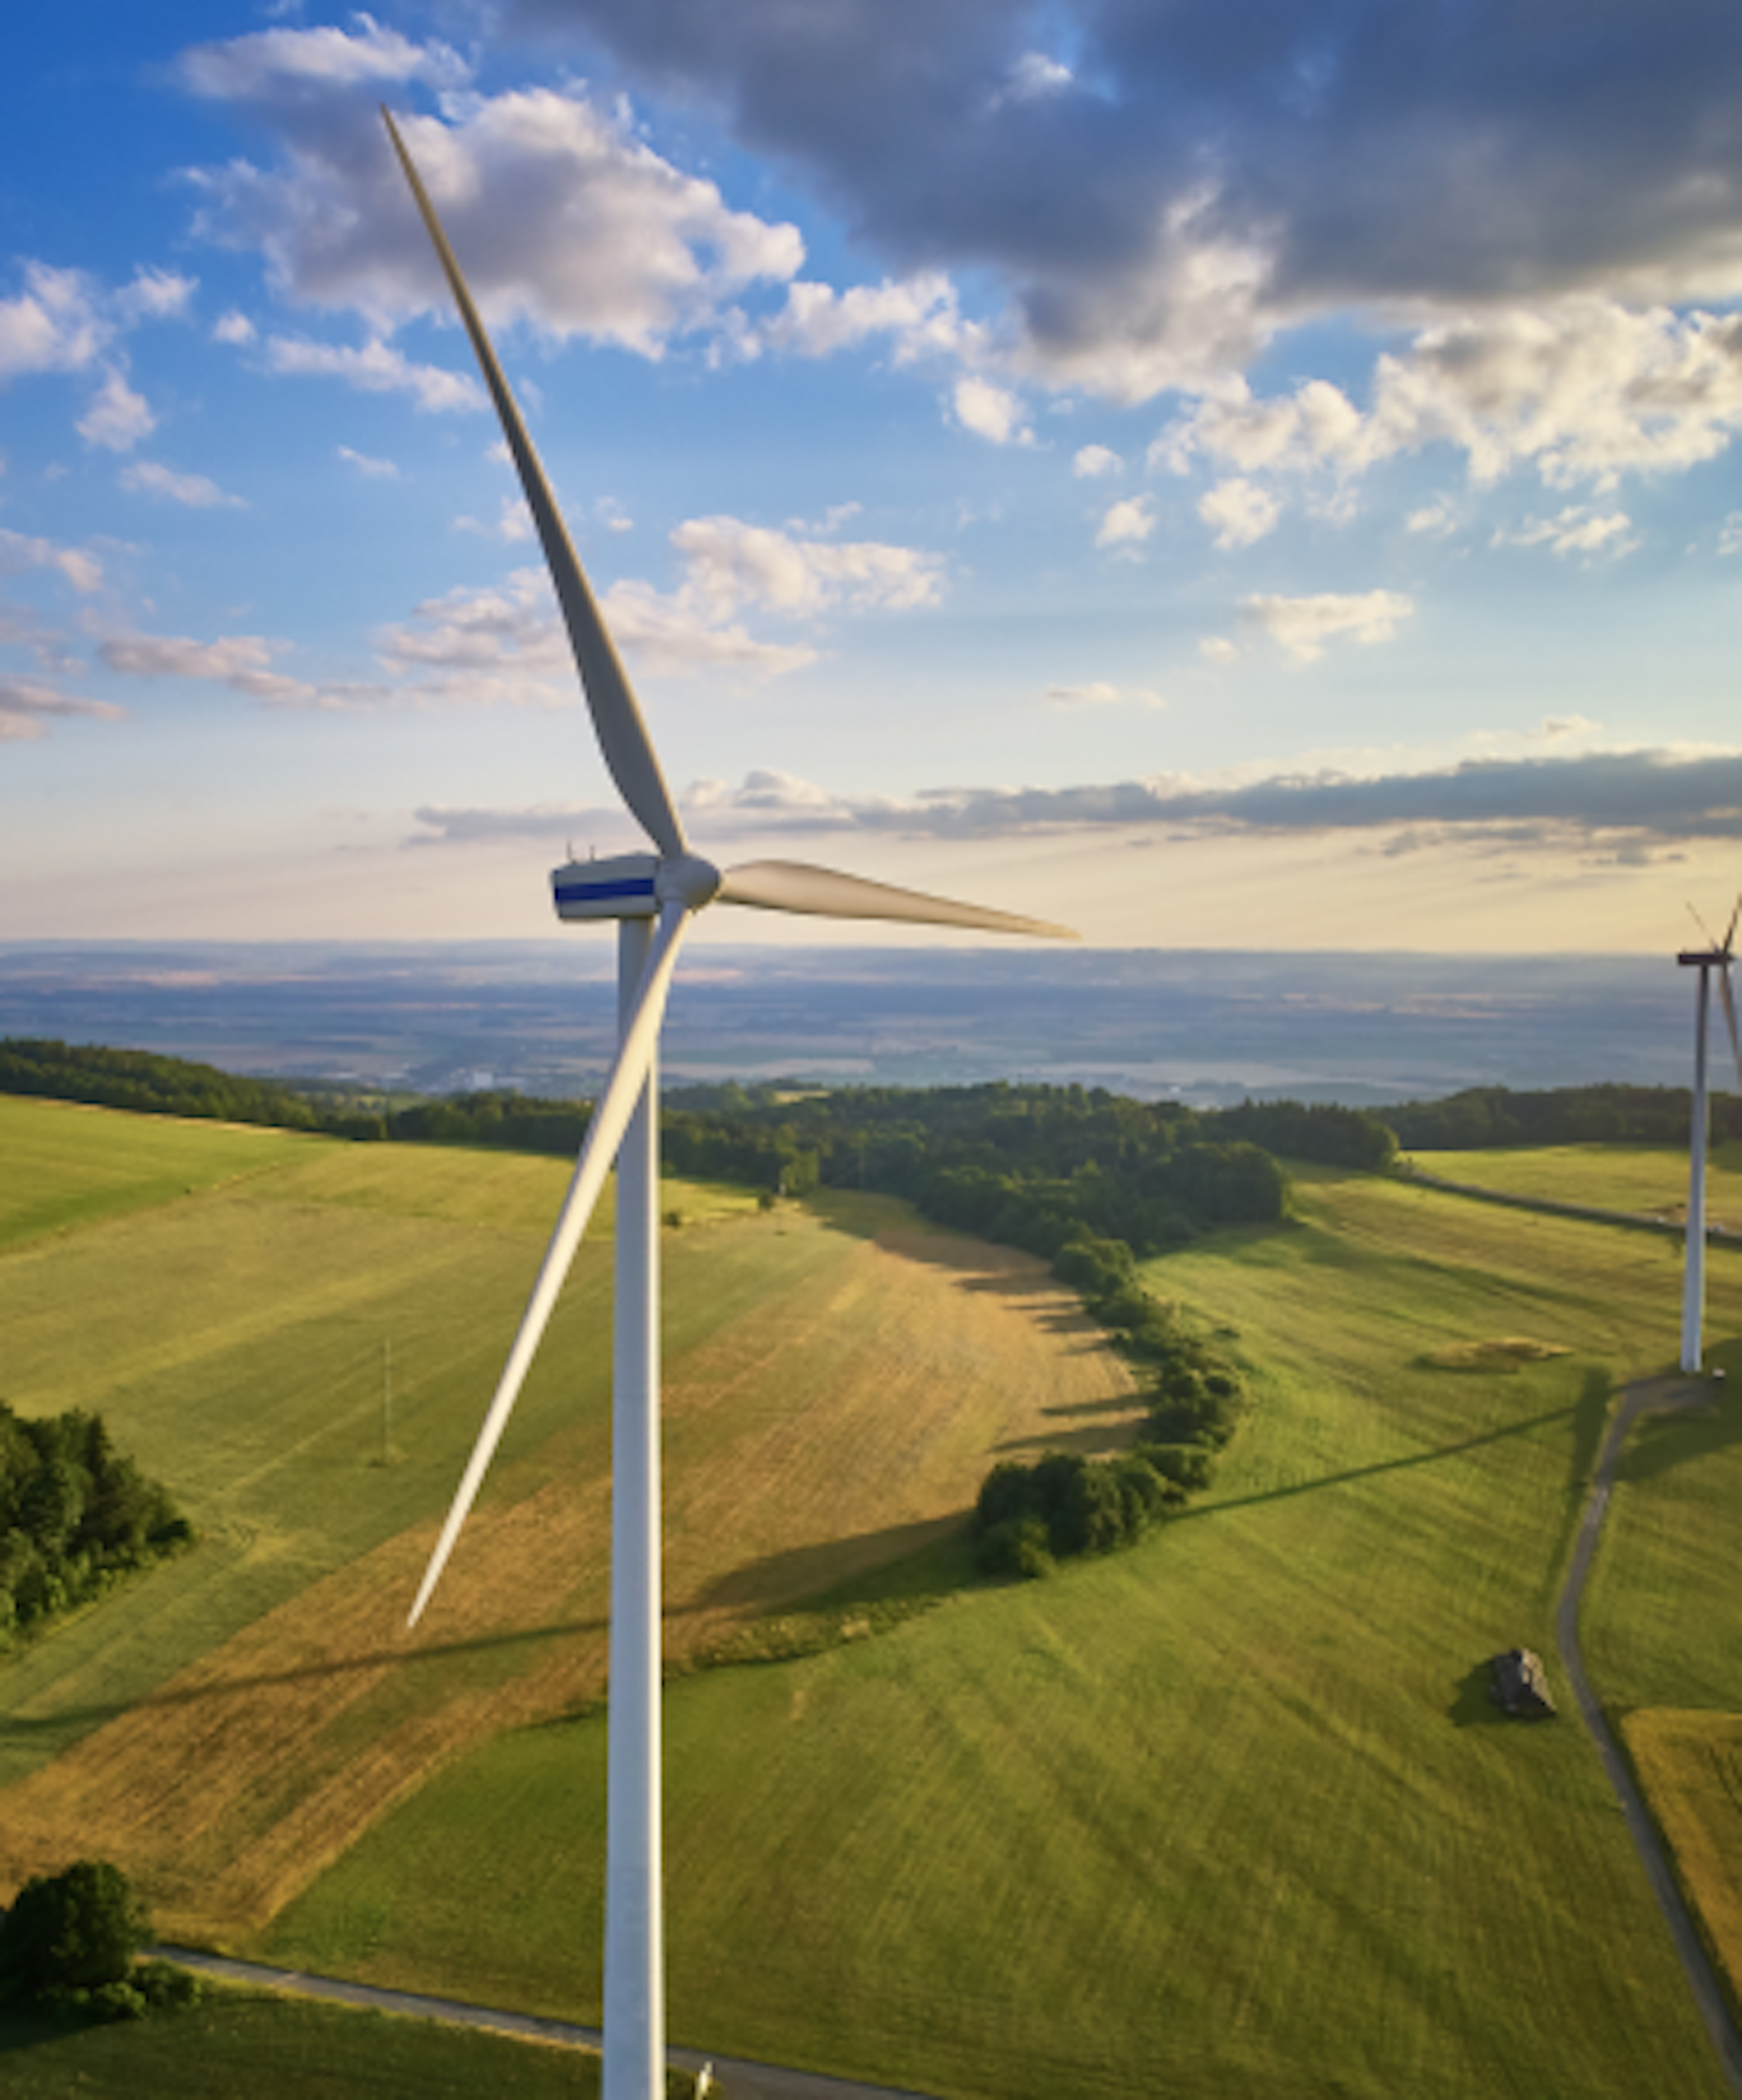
x,y
1648,1178
227,1725
1230,1812
62,1174
268,2046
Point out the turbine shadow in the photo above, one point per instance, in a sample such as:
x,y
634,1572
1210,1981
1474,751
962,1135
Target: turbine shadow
x,y
18,1728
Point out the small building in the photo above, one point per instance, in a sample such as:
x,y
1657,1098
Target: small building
x,y
1520,1685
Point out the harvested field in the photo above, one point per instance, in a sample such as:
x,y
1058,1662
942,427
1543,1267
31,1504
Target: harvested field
x,y
837,1384
1690,1766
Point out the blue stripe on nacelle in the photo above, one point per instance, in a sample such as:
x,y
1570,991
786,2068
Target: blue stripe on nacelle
x,y
590,892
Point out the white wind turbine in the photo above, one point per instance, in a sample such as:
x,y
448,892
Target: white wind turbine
x,y
653,897
1717,956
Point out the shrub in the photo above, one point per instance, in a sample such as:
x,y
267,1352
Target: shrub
x,y
1017,1548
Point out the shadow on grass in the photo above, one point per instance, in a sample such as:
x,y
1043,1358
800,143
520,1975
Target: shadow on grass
x,y
15,1727
1476,1705
1523,1426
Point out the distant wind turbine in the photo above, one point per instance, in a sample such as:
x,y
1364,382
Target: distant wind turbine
x,y
653,897
1716,956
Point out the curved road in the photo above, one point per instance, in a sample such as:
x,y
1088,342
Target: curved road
x,y
1655,1396
739,2080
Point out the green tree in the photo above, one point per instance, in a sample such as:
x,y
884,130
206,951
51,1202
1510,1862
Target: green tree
x,y
78,1930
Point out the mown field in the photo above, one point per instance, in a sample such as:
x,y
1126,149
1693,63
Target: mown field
x,y
1230,1812
1650,1180
226,1725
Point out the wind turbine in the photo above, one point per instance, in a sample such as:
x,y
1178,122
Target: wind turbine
x,y
653,897
1716,956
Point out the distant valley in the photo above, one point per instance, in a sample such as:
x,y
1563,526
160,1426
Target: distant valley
x,y
1208,1027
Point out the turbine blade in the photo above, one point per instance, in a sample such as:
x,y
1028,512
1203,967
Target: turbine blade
x,y
1701,923
1730,1017
617,721
793,885
611,1117
1730,936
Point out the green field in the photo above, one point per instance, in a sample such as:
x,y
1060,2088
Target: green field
x,y
272,2048
1650,1180
1227,1813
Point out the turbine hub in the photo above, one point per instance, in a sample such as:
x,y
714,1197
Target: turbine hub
x,y
632,885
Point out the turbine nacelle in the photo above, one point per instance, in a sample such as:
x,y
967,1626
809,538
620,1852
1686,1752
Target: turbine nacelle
x,y
632,885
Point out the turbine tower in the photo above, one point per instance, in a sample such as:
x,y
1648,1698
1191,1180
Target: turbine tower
x,y
1717,955
653,897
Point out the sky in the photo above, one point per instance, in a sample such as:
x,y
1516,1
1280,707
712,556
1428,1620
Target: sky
x,y
1224,474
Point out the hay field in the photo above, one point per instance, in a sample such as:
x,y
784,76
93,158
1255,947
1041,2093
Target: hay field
x,y
1229,1813
1690,1765
836,1381
1650,1180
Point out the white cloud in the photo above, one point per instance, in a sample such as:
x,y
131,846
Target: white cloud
x,y
147,477
19,551
513,523
1583,390
1575,531
242,662
1092,461
730,564
234,327
560,215
1126,524
28,705
991,412
54,325
1218,649
376,368
1100,694
371,469
117,418
1303,625
921,314
1239,511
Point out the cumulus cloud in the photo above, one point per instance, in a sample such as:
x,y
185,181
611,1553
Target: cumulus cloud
x,y
1090,462
562,215
921,317
117,418
1128,524
375,367
196,490
371,469
990,411
1218,649
731,564
1582,391
1575,531
1303,625
1239,511
19,551
1159,190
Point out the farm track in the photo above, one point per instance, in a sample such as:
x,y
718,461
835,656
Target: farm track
x,y
740,2079
1651,1396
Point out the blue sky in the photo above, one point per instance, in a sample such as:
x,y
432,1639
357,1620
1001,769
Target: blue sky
x,y
1234,475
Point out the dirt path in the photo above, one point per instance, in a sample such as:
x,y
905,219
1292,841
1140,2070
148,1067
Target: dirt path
x,y
739,2080
1653,1396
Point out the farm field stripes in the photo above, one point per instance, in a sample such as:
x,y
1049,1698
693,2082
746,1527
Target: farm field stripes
x,y
1230,1812
841,1399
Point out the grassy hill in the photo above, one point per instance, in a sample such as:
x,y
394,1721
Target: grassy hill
x,y
1230,1812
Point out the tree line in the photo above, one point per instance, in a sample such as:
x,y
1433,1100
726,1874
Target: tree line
x,y
1485,1118
76,1515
